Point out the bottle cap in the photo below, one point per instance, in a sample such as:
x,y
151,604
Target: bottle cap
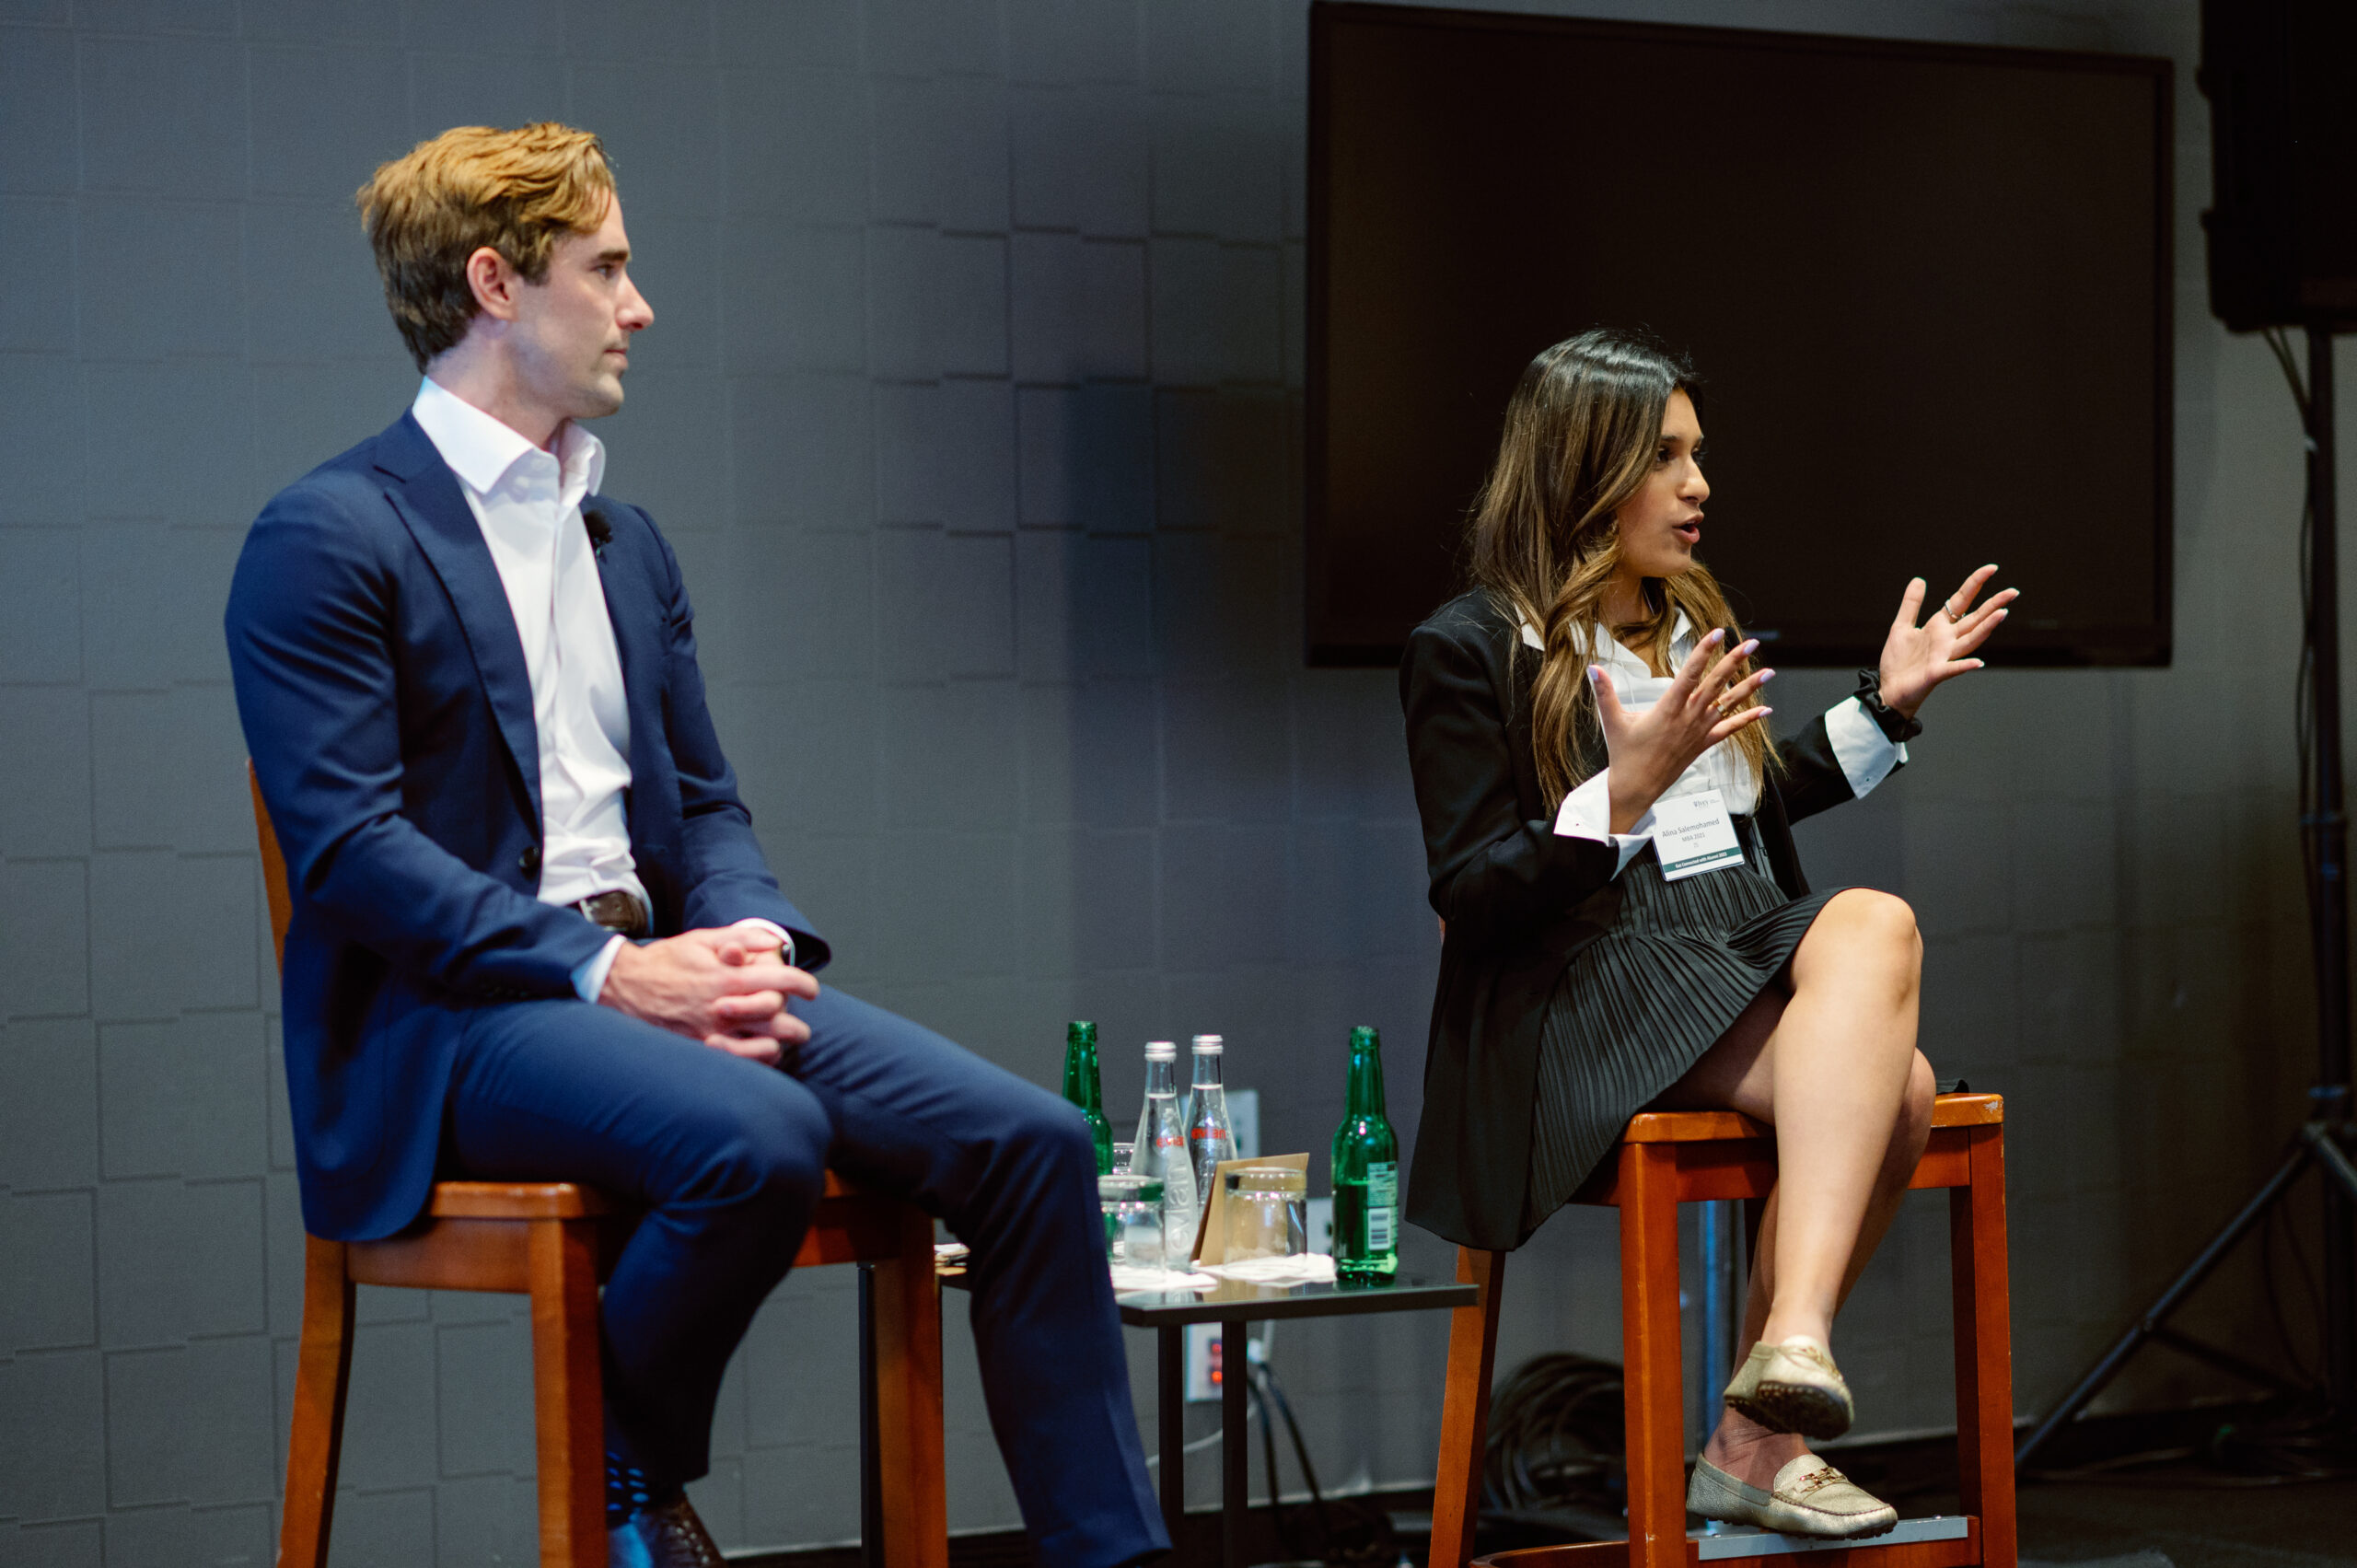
x,y
1209,1045
1162,1051
1080,1032
1365,1034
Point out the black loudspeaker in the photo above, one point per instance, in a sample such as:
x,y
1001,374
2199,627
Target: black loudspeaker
x,y
2282,80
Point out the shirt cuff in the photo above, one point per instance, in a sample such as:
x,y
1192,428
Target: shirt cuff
x,y
1587,813
589,979
784,938
1865,753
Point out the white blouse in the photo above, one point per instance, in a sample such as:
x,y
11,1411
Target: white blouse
x,y
1865,754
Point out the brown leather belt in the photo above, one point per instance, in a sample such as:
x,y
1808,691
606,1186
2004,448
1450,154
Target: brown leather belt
x,y
616,910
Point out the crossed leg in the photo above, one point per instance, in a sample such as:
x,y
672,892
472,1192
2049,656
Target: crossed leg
x,y
1829,1059
729,1158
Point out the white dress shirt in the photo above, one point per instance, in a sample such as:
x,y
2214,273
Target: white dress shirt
x,y
527,503
1865,753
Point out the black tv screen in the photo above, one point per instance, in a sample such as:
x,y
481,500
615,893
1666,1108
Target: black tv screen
x,y
1927,287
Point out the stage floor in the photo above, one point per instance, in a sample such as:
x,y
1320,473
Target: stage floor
x,y
2305,1525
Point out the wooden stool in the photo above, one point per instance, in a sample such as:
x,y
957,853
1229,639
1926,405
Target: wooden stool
x,y
1668,1158
554,1242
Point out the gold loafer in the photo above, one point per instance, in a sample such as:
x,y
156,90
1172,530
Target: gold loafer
x,y
1810,1497
1793,1386
1742,1390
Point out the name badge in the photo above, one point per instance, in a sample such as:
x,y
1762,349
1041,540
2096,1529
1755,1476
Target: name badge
x,y
1693,833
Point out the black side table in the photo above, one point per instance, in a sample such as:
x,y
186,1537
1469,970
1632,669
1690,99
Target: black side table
x,y
1232,1305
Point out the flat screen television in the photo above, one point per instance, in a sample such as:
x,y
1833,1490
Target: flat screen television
x,y
1928,288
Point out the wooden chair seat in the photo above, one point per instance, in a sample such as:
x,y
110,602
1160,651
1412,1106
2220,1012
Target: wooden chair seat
x,y
1726,1155
552,1200
517,1201
1666,1158
555,1241
473,1236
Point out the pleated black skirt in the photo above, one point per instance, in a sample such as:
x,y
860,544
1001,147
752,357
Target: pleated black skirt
x,y
1642,1002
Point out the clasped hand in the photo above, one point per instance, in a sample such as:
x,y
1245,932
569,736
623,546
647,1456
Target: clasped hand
x,y
726,988
1648,750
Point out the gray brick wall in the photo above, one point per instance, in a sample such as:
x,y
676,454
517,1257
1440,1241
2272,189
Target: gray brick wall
x,y
973,409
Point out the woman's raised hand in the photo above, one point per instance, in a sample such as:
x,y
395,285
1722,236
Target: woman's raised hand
x,y
1916,658
1648,750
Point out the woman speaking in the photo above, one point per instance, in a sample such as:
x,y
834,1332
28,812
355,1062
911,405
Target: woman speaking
x,y
1606,825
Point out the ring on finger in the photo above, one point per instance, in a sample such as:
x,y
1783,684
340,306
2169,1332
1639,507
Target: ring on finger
x,y
1948,608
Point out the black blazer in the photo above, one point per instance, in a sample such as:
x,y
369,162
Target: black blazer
x,y
1519,902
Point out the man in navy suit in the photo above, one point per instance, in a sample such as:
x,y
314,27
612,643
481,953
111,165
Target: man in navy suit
x,y
533,935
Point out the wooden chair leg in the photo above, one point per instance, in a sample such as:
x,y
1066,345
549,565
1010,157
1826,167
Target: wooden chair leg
x,y
1465,1409
1984,1354
567,1393
1652,1365
322,1377
908,1401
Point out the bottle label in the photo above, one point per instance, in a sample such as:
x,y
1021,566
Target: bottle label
x,y
1382,1205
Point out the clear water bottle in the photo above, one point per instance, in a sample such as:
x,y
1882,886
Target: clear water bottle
x,y
1142,1143
1162,1149
1209,1138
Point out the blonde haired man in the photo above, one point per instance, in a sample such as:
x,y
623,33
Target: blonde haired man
x,y
533,935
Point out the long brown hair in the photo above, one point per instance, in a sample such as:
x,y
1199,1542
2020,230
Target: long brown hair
x,y
1580,435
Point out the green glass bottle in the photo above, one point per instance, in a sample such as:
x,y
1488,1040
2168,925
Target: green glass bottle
x,y
1086,1089
1366,1172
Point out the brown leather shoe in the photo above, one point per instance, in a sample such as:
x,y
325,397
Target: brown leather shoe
x,y
662,1535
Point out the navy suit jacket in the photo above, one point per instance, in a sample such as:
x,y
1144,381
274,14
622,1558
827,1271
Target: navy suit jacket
x,y
389,713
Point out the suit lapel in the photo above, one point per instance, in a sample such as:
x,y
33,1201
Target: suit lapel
x,y
637,616
426,494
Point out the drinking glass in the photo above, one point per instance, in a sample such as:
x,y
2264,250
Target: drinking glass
x,y
1132,1209
1268,1212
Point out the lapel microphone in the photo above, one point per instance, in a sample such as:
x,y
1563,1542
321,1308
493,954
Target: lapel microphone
x,y
601,532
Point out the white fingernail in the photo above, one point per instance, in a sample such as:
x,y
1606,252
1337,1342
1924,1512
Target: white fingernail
x,y
1766,676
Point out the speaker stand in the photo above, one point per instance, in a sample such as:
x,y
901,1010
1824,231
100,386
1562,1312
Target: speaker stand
x,y
2324,1140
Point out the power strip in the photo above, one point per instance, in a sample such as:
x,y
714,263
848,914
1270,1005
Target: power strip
x,y
1205,1345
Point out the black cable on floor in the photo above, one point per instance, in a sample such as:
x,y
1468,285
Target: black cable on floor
x,y
1557,1436
1255,1378
1350,1535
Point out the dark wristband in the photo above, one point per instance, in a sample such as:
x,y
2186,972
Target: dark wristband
x,y
1895,725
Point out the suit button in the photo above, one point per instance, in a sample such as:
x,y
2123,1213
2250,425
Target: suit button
x,y
528,863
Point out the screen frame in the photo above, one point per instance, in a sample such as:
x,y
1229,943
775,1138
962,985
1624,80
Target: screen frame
x,y
2152,649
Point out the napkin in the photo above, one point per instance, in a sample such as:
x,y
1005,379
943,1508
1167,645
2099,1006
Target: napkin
x,y
1303,1268
1126,1277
